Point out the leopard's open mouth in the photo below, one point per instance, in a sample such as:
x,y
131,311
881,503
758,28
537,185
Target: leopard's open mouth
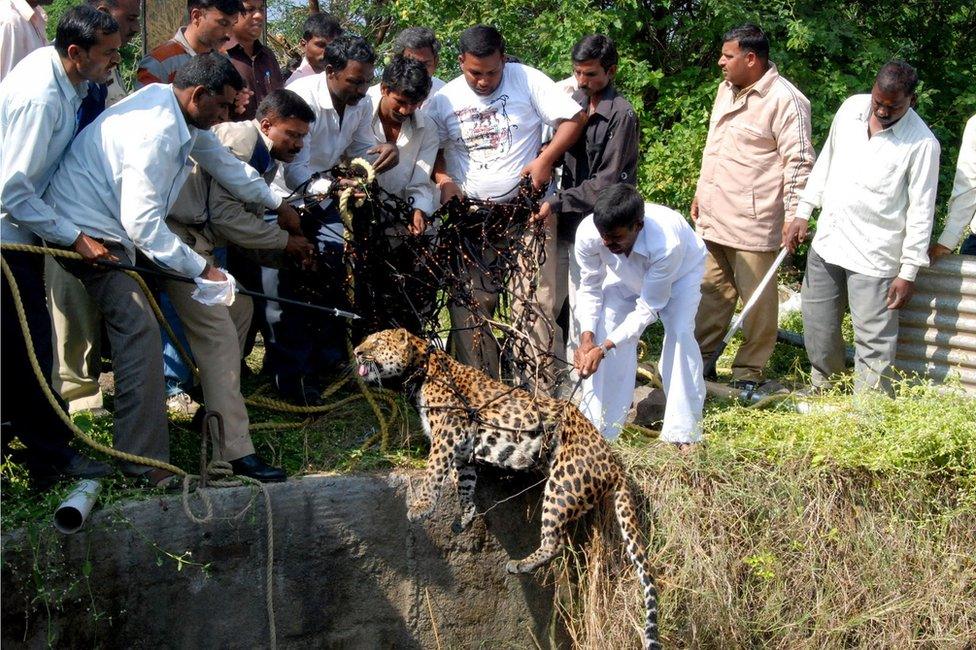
x,y
367,368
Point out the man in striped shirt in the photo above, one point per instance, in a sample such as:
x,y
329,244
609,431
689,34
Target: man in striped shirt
x,y
757,159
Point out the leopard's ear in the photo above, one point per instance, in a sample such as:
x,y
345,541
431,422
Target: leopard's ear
x,y
403,336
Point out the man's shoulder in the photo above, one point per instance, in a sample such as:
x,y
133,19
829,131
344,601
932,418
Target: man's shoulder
x,y
783,89
307,87
166,50
239,137
33,78
918,132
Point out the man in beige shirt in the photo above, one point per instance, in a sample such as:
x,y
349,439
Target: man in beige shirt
x,y
207,215
756,161
22,30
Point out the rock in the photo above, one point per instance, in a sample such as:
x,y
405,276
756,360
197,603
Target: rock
x,y
648,410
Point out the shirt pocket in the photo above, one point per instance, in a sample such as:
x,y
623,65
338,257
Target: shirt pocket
x,y
749,143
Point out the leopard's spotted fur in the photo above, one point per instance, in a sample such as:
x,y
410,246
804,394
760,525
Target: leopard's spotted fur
x,y
471,418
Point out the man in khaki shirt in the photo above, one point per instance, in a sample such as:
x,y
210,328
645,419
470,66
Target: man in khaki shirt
x,y
205,216
757,159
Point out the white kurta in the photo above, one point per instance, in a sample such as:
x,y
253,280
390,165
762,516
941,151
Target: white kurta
x,y
619,296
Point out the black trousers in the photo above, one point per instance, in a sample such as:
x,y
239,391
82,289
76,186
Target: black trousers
x,y
24,410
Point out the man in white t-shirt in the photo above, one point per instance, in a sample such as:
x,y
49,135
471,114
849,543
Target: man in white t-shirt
x,y
490,121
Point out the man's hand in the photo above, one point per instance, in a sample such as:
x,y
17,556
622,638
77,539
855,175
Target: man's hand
x,y
387,156
92,250
449,190
540,170
694,210
795,232
212,273
545,212
936,251
419,223
242,99
588,355
342,184
899,293
289,219
300,248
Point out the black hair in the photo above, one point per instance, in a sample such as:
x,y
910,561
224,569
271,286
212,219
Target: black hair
x,y
108,3
481,41
346,48
596,46
83,26
897,76
229,7
285,104
750,38
416,38
213,71
408,77
618,206
321,26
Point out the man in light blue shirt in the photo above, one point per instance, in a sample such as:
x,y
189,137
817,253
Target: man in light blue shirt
x,y
118,183
39,103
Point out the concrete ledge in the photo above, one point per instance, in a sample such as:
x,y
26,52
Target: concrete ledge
x,y
349,572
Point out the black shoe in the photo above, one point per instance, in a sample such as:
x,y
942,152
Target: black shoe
x,y
304,391
255,468
711,376
84,467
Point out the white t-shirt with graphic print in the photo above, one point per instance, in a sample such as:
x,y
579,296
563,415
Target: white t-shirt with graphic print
x,y
489,139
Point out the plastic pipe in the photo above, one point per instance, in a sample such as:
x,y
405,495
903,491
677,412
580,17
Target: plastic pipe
x,y
71,514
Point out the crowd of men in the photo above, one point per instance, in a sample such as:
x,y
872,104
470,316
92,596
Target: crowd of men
x,y
192,173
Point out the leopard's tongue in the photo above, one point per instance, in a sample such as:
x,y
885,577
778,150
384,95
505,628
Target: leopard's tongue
x,y
363,370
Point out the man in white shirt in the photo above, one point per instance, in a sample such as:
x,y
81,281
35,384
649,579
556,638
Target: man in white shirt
x,y
962,202
490,121
639,262
22,30
421,44
302,346
875,182
319,30
118,183
39,103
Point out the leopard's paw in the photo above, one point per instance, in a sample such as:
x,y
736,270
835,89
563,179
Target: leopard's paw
x,y
464,522
513,566
419,510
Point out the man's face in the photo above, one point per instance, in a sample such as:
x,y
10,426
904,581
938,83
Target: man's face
x,y
250,24
483,74
287,136
213,27
591,77
126,14
889,107
424,55
96,63
207,109
315,52
396,106
350,84
620,240
735,63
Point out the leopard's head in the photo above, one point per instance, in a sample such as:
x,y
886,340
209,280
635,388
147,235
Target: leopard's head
x,y
388,354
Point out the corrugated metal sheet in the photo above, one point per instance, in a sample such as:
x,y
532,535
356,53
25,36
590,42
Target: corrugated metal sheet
x,y
937,329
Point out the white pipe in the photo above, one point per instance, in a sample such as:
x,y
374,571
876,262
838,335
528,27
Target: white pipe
x,y
73,511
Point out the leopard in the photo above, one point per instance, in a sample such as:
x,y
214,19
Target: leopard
x,y
470,419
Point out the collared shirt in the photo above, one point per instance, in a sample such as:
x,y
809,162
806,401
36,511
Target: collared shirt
x,y
962,202
328,137
303,70
666,250
123,173
756,160
877,194
206,204
489,139
116,88
418,142
261,73
22,30
605,154
38,118
161,64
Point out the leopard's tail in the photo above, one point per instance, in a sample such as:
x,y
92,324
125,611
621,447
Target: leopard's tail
x,y
623,500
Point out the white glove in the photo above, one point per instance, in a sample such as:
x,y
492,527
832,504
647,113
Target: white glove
x,y
321,186
209,292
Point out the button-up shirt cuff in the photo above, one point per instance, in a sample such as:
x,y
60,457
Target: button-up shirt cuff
x,y
588,325
908,272
804,211
272,200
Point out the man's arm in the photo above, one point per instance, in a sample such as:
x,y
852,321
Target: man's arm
x,y
150,71
567,133
420,188
654,296
962,202
618,165
24,157
795,146
923,180
242,181
811,196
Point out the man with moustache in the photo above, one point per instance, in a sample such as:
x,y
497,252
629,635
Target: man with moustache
x,y
255,62
208,30
875,184
117,183
319,30
490,121
208,215
39,104
421,44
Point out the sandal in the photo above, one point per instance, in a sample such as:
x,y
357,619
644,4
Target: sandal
x,y
158,479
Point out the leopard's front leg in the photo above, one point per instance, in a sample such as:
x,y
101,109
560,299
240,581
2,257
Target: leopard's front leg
x,y
439,464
